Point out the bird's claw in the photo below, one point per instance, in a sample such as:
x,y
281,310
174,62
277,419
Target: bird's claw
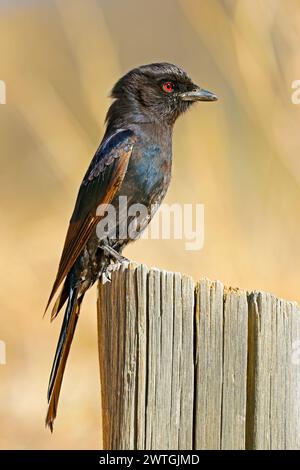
x,y
112,267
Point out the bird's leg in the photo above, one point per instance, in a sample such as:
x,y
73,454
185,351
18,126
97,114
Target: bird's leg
x,y
117,260
114,254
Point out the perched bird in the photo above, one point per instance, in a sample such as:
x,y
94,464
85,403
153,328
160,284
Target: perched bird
x,y
133,160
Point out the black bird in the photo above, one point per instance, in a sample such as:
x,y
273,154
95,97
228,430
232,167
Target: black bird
x,y
133,160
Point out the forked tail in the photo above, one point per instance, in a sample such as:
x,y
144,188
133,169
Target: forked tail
x,y
62,352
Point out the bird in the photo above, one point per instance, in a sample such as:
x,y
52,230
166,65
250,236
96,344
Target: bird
x,y
133,161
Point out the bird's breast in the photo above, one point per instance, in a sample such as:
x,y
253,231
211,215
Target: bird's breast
x,y
148,174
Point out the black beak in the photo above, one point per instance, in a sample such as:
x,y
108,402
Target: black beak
x,y
198,94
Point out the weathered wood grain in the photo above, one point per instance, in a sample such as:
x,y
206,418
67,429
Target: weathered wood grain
x,y
146,327
221,367
196,366
273,420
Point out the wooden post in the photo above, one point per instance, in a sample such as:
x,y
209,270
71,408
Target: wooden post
x,y
196,366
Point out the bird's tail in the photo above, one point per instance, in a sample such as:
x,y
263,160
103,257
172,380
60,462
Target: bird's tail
x,y
62,352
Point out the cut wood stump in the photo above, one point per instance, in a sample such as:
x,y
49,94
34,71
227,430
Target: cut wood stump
x,y
188,365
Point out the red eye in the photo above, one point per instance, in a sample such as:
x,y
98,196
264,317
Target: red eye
x,y
168,87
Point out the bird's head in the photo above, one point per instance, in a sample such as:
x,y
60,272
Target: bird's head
x,y
156,92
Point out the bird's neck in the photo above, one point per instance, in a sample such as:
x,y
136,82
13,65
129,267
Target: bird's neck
x,y
127,114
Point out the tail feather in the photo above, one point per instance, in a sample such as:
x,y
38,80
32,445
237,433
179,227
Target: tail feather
x,y
62,352
61,299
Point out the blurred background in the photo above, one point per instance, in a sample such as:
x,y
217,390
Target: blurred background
x,y
239,157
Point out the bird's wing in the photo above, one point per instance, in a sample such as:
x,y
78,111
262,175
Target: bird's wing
x,y
100,184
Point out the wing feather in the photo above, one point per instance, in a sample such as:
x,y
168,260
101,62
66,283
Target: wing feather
x,y
100,184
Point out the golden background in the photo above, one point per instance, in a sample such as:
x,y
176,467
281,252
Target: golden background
x,y
239,156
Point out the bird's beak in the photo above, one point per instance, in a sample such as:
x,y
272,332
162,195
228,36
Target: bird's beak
x,y
198,94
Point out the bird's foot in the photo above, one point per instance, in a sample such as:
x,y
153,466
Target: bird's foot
x,y
112,267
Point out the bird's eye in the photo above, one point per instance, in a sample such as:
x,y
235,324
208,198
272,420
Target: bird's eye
x,y
168,87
